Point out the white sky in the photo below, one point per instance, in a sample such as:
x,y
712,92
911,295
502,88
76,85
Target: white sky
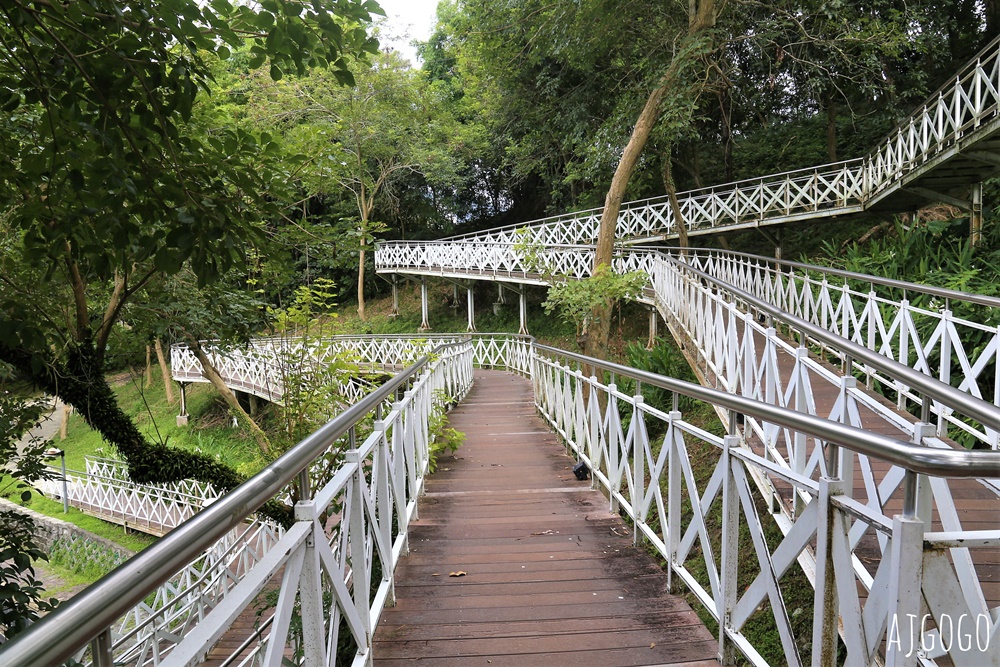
x,y
408,20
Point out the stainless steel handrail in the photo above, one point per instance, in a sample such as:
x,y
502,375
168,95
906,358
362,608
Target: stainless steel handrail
x,y
59,635
925,460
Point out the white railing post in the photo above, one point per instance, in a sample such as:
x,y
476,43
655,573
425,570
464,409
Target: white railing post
x,y
826,610
730,551
674,440
906,555
311,590
359,547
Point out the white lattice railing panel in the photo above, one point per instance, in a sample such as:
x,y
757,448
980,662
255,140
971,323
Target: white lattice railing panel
x,y
356,518
897,320
105,489
828,525
149,631
961,113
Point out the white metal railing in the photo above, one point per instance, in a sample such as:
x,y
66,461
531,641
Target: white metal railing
x,y
375,352
653,482
104,488
369,499
336,561
149,631
263,367
962,112
917,325
833,189
880,315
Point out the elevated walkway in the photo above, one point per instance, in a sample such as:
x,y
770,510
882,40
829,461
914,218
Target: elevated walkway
x,y
552,577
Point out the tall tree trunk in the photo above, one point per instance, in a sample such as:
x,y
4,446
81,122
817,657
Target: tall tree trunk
x,y
227,394
149,365
361,282
830,101
701,17
596,339
67,410
675,206
725,111
168,383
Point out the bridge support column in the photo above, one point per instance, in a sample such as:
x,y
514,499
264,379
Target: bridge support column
x,y
471,300
653,324
395,296
501,300
524,312
182,418
424,324
976,215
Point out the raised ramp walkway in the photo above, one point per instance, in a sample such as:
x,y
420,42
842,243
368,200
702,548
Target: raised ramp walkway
x,y
552,577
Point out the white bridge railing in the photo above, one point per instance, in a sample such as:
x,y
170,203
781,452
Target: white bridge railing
x,y
917,325
884,316
147,633
358,479
694,522
105,489
956,117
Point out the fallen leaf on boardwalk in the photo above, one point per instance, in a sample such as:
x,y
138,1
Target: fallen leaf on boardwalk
x,y
547,532
653,645
460,573
436,574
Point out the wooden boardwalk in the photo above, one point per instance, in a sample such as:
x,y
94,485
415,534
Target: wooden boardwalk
x,y
550,576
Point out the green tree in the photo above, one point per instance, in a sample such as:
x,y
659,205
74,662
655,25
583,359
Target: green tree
x,y
361,141
21,465
109,184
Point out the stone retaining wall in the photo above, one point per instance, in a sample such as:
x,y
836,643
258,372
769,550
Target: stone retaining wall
x,y
49,530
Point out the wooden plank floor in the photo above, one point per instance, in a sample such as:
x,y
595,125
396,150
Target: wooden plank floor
x,y
551,576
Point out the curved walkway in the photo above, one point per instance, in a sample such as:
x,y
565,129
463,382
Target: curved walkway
x,y
551,577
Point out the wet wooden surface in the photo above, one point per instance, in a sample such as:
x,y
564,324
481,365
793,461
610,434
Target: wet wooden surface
x,y
550,576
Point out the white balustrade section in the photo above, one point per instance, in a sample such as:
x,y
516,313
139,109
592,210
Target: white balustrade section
x,y
150,630
956,117
875,313
104,489
917,326
263,367
342,551
652,480
377,353
834,189
354,524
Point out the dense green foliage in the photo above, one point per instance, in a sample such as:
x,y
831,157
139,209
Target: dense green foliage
x,y
21,465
